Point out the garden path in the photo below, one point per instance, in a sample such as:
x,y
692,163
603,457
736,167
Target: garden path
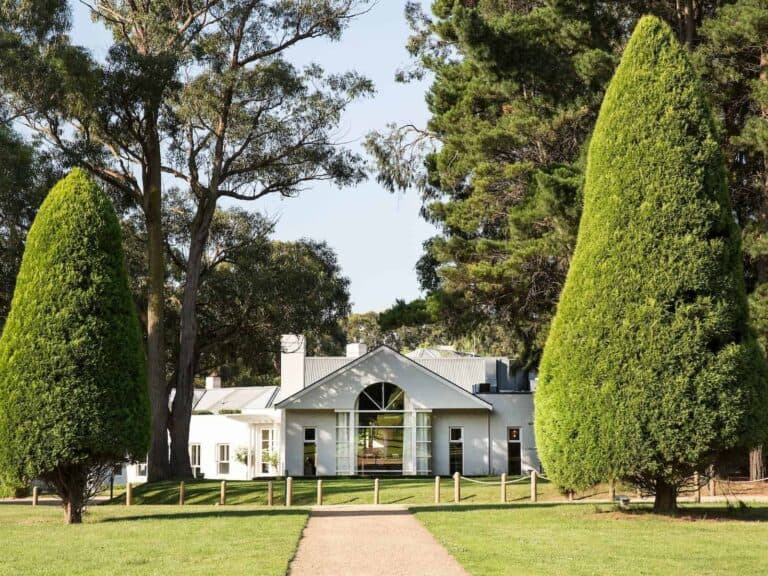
x,y
381,540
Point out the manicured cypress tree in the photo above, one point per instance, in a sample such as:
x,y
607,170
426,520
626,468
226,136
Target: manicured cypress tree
x,y
73,392
650,369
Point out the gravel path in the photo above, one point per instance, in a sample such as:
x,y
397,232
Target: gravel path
x,y
369,541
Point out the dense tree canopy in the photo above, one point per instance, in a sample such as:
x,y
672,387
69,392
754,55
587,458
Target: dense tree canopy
x,y
651,369
203,92
26,175
73,387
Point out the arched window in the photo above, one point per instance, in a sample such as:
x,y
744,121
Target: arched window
x,y
381,397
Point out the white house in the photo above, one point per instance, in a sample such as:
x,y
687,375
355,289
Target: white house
x,y
367,413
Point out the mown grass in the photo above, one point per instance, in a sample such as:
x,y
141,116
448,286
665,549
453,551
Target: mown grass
x,y
581,540
408,491
150,540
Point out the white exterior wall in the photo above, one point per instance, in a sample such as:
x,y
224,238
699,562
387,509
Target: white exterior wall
x,y
209,430
475,425
512,410
295,422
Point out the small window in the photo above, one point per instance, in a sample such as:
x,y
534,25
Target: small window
x,y
456,434
309,434
194,459
141,467
222,459
514,434
456,450
310,452
514,452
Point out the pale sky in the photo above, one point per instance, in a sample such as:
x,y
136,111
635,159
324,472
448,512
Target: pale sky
x,y
377,235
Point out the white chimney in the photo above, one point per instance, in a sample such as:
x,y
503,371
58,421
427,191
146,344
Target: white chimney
x,y
293,350
212,381
356,349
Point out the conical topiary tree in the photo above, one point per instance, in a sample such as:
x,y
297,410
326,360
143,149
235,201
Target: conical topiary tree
x,y
650,369
73,393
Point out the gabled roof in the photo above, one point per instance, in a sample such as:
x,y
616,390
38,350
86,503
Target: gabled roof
x,y
242,398
453,395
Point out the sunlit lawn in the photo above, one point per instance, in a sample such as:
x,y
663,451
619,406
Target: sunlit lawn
x,y
588,539
408,491
149,540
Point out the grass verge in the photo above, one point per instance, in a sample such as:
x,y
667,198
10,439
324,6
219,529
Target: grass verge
x,y
597,540
149,540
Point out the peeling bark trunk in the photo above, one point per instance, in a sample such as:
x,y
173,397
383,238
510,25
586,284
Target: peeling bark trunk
x,y
665,501
157,459
187,363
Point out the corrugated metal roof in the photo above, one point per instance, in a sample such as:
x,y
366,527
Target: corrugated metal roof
x,y
317,367
240,398
463,371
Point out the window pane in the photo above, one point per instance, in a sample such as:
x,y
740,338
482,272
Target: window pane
x,y
456,457
514,434
456,434
309,434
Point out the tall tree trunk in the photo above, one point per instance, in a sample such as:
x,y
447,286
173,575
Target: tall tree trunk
x,y
187,364
157,459
686,16
665,501
757,468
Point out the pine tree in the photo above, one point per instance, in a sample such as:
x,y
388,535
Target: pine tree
x,y
650,369
73,387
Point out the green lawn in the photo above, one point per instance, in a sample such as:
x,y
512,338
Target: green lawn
x,y
592,540
408,491
150,540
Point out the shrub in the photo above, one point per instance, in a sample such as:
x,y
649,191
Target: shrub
x,y
73,392
650,368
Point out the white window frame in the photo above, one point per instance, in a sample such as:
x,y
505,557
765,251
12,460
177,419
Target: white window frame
x,y
304,443
142,466
219,461
194,450
450,442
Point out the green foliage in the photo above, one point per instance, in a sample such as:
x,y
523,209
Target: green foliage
x,y
72,374
650,369
26,175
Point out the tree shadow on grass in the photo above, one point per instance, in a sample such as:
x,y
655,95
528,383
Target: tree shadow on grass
x,y
218,513
741,512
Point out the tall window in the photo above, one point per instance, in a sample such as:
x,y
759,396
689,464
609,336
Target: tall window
x,y
514,452
381,425
194,459
267,447
423,443
310,451
456,449
222,459
344,443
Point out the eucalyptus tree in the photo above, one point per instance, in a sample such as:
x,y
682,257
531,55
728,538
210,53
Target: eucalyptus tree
x,y
202,92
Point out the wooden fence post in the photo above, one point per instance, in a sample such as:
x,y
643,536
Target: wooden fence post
x,y
128,494
697,488
534,494
319,492
456,487
612,490
35,495
270,493
503,491
181,493
288,491
376,491
712,486
570,495
437,489
223,495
